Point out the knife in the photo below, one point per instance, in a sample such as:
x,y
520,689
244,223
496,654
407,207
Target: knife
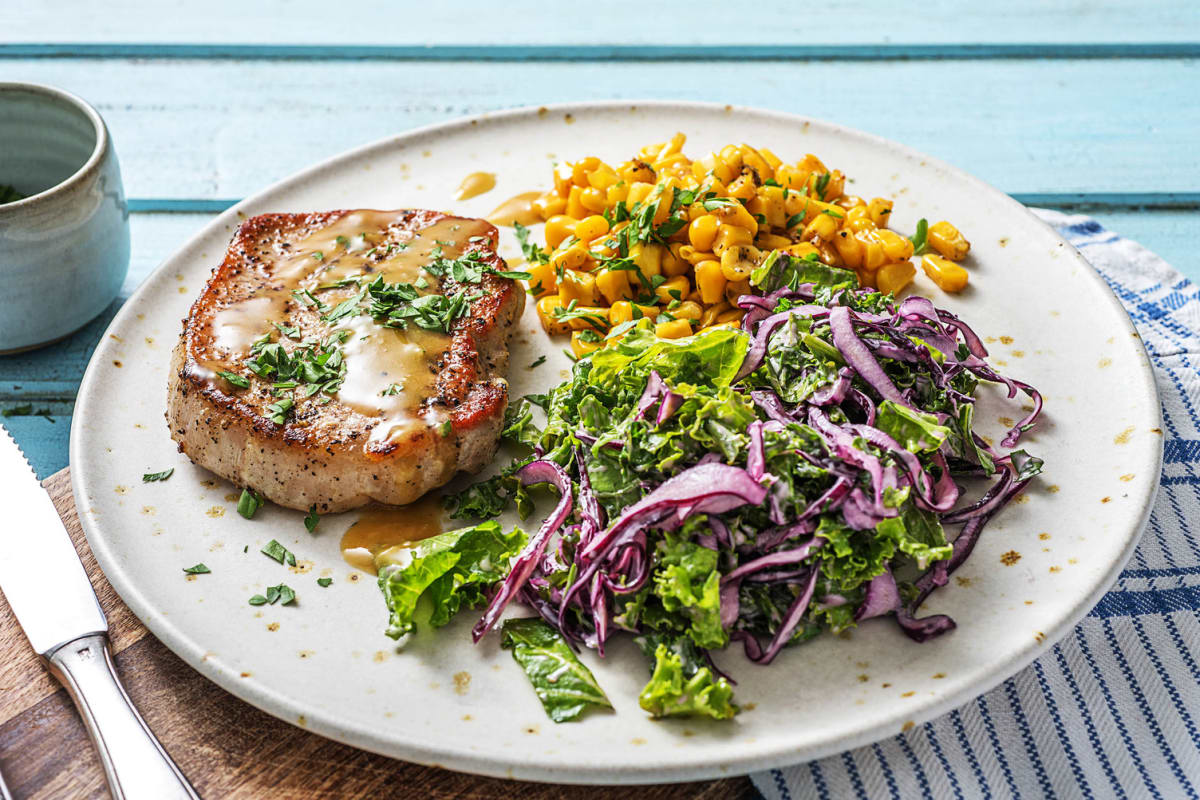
x,y
44,583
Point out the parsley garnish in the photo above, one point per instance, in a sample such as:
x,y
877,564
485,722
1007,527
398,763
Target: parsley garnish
x,y
324,582
345,308
235,379
392,390
249,503
538,362
822,184
280,553
320,365
150,477
283,594
920,239
280,408
198,569
398,304
312,519
444,429
533,254
590,317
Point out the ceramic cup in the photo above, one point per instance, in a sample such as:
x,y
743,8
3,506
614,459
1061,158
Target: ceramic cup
x,y
64,247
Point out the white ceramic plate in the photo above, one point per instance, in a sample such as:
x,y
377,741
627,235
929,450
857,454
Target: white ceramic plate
x,y
324,662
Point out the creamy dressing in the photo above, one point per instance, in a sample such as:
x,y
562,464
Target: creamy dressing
x,y
381,530
389,372
475,184
516,209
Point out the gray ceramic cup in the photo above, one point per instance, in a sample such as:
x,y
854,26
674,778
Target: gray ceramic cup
x,y
64,247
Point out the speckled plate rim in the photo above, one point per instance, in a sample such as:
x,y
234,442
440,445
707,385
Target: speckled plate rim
x,y
541,768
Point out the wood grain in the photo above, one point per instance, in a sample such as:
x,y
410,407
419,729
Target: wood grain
x,y
227,748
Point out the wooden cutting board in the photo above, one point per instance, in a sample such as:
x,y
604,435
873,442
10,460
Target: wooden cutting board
x,y
227,748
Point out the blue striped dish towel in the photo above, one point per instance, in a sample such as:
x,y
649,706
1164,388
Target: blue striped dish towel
x,y
1113,710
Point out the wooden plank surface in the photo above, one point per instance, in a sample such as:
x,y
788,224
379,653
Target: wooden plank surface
x,y
217,129
527,22
227,748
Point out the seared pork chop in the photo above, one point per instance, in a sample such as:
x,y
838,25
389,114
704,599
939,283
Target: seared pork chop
x,y
344,357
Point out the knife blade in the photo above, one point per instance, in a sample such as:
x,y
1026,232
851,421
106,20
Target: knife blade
x,y
50,594
40,572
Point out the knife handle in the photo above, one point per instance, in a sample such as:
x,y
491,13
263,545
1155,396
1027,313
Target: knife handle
x,y
134,762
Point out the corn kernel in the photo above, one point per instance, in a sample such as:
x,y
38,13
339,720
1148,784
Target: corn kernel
x,y
592,199
622,311
542,279
731,236
891,278
738,262
581,168
710,280
849,248
735,289
897,247
732,315
946,239
573,257
673,263
687,310
577,286
545,312
711,313
581,346
673,329
614,285
822,226
702,232
558,228
880,211
575,207
589,228
562,178
638,192
673,289
949,277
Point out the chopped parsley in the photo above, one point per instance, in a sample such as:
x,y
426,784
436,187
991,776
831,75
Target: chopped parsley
x,y
392,390
920,239
198,569
280,408
597,321
249,503
280,553
537,362
234,379
312,519
533,254
444,428
319,366
822,184
151,477
283,594
324,582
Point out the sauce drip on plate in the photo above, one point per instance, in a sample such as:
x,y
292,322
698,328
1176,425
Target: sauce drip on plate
x,y
476,184
382,528
516,209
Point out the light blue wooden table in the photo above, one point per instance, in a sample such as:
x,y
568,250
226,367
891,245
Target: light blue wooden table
x,y
1072,104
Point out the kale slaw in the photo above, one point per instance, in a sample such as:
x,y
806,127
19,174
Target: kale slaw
x,y
756,486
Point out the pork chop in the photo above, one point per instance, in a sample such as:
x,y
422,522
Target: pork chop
x,y
344,357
